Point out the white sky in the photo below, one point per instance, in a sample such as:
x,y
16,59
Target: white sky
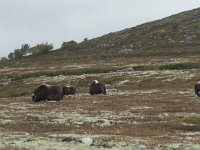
x,y
55,21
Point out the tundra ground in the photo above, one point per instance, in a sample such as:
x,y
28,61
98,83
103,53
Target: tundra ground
x,y
154,109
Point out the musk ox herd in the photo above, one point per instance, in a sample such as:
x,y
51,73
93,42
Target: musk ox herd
x,y
53,92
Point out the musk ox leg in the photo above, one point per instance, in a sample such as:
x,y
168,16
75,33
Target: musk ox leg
x,y
91,92
45,101
59,98
104,90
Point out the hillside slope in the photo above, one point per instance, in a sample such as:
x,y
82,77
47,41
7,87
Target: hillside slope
x,y
174,36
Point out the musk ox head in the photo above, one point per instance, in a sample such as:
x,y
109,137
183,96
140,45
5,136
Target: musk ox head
x,y
197,88
97,87
69,90
47,92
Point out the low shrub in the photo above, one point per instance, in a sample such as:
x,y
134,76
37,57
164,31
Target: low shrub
x,y
192,120
179,66
63,72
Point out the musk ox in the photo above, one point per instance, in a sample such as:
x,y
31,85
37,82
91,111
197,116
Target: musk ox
x,y
47,92
69,90
197,88
97,88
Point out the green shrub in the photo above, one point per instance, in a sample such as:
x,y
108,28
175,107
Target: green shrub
x,y
41,49
192,120
70,44
25,49
3,59
179,66
175,27
144,67
63,72
11,56
18,54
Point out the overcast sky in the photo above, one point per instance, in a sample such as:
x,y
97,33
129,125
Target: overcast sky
x,y
55,21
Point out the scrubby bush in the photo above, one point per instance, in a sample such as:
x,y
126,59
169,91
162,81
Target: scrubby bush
x,y
18,54
25,50
175,27
179,66
85,39
63,72
70,44
11,56
41,49
3,59
192,120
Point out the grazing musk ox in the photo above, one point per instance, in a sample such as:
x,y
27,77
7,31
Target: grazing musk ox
x,y
69,90
47,92
97,88
197,88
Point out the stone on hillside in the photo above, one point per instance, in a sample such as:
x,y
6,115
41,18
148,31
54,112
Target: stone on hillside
x,y
189,38
87,141
126,51
123,82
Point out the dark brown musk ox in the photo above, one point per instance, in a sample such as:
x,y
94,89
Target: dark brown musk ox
x,y
47,93
69,90
197,88
97,87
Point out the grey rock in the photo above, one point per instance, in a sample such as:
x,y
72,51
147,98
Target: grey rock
x,y
126,51
87,141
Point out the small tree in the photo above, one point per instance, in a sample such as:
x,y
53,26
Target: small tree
x,y
11,56
33,50
3,59
85,39
41,49
25,49
70,44
18,54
